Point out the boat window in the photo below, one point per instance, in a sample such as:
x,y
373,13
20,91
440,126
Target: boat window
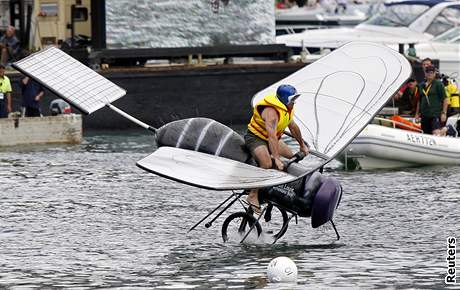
x,y
447,19
398,15
452,35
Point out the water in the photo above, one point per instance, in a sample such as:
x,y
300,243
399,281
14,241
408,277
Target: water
x,y
84,216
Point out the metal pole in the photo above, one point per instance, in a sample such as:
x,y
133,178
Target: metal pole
x,y
253,225
335,229
72,25
228,198
131,118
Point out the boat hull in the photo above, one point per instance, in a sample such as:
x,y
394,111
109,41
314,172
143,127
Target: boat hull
x,y
384,147
41,130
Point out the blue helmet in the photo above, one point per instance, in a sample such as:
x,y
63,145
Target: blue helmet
x,y
286,94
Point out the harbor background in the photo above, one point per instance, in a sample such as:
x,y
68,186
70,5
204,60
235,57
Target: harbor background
x,y
84,216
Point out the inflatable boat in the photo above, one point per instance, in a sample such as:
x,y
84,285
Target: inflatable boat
x,y
379,146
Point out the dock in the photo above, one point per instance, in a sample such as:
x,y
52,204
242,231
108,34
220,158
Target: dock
x,y
41,130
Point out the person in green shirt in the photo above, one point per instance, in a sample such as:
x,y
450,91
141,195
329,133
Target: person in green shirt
x,y
432,106
5,93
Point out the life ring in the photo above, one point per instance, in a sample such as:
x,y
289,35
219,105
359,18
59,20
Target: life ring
x,y
405,124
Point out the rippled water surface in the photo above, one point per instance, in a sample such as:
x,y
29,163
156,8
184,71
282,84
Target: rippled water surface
x,y
84,216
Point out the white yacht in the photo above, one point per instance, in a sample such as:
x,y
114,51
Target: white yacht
x,y
446,48
325,13
401,22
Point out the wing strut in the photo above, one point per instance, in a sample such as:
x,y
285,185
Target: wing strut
x,y
74,82
131,118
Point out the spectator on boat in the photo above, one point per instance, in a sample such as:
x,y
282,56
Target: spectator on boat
x,y
448,130
9,46
5,93
271,116
452,94
451,89
432,107
32,92
280,4
426,62
407,97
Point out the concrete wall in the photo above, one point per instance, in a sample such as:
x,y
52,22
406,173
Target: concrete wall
x,y
56,129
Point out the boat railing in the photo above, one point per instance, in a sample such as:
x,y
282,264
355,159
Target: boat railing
x,y
394,123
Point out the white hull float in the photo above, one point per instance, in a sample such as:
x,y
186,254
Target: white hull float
x,y
66,128
385,147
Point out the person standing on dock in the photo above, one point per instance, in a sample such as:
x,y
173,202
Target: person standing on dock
x,y
432,107
5,93
32,92
271,116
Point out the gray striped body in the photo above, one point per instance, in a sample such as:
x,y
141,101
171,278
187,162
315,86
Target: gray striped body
x,y
204,135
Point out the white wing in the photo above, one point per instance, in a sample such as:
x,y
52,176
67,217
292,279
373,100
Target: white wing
x,y
342,92
70,79
210,171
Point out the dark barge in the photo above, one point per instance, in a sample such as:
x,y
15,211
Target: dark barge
x,y
157,95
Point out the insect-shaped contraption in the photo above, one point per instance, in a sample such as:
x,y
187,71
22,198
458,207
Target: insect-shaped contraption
x,y
340,94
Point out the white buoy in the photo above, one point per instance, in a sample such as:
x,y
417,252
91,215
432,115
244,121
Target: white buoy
x,y
282,269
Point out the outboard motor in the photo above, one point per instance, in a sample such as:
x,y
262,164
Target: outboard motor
x,y
58,107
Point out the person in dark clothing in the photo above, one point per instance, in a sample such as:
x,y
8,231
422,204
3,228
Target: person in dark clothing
x,y
407,97
32,92
9,46
432,107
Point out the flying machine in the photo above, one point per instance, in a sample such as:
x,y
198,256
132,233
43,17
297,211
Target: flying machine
x,y
340,94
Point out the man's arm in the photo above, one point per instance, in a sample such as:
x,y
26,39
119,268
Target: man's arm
x,y
445,103
39,96
399,94
14,46
270,118
9,105
295,131
417,107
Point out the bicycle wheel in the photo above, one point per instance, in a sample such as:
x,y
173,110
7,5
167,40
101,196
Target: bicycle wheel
x,y
238,224
275,221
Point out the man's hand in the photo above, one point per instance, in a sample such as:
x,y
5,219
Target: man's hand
x,y
304,149
279,164
443,117
417,118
